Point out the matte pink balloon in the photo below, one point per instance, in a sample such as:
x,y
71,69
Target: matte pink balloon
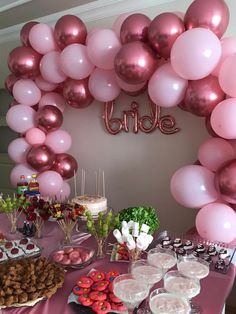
x,y
223,119
75,63
216,222
195,53
41,38
163,31
227,74
77,94
214,152
19,170
24,33
64,192
40,157
50,183
193,186
69,29
228,46
130,88
24,62
9,82
166,88
53,99
211,14
135,63
21,118
49,118
116,26
17,150
35,136
44,85
59,141
26,92
103,85
50,68
66,165
135,27
226,181
103,46
202,96
91,33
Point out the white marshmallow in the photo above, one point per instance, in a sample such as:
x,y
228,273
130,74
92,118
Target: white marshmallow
x,y
145,228
136,226
124,224
125,231
135,233
130,224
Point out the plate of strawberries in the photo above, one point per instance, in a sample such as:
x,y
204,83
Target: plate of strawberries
x,y
95,292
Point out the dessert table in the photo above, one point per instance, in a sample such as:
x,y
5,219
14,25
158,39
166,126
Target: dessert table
x,y
214,289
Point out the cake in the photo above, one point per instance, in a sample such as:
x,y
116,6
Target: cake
x,y
94,203
15,252
30,248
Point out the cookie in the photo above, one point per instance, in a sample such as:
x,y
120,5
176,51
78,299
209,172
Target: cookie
x,y
118,307
79,291
100,285
97,276
98,296
114,299
101,307
111,275
85,300
84,282
110,287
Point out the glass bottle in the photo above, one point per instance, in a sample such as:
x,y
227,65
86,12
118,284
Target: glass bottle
x,y
22,186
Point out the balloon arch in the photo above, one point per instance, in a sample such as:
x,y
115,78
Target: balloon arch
x,y
181,58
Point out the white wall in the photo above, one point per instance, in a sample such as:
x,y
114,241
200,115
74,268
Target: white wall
x,y
138,167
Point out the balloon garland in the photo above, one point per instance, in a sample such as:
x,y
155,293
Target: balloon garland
x,y
183,62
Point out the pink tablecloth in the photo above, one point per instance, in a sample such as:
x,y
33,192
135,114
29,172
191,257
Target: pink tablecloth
x,y
214,289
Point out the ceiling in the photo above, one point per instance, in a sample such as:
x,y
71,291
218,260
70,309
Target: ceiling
x,y
34,9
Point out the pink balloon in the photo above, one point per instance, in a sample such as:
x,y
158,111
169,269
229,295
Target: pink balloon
x,y
20,118
77,94
227,74
130,88
59,141
163,31
26,92
214,152
53,99
202,96
91,33
50,183
135,27
50,68
35,136
24,33
209,127
226,181
9,82
116,26
19,170
135,63
103,46
44,85
217,222
17,150
40,158
70,29
228,46
166,88
195,53
66,165
24,62
75,63
49,118
64,192
223,119
103,85
193,186
42,39
211,14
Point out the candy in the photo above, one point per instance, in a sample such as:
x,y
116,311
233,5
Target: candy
x,y
100,285
57,257
101,307
114,298
98,296
111,275
65,261
97,275
84,282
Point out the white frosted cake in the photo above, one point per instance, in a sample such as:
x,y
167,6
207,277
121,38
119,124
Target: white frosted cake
x,y
93,203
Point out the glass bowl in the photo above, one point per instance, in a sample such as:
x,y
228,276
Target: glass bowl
x,y
73,256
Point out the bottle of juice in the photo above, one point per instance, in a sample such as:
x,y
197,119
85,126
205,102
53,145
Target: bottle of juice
x,y
22,186
34,185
